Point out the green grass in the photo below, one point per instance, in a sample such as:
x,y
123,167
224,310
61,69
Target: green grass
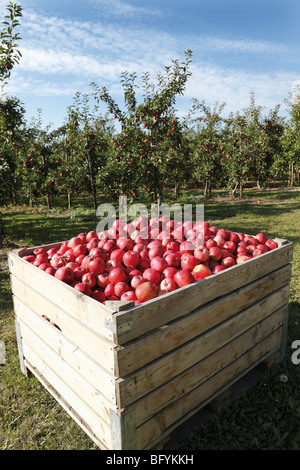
x,y
266,417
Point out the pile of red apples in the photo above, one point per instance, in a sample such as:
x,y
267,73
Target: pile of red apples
x,y
146,258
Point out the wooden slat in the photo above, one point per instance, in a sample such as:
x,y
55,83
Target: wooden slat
x,y
139,320
71,402
90,312
141,351
161,423
190,378
97,347
49,360
182,358
68,350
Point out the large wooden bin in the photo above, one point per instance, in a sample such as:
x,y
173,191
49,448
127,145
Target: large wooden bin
x,y
129,375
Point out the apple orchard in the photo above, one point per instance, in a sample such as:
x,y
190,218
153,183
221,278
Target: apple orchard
x,y
143,149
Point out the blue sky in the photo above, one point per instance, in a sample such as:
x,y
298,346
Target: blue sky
x,y
238,47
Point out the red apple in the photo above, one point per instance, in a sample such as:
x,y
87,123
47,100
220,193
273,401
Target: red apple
x,y
222,233
29,258
201,253
264,248
261,238
215,253
96,266
58,261
131,258
80,250
218,269
233,237
109,290
187,247
271,244
90,235
210,243
89,278
168,284
51,252
242,258
146,291
98,252
152,275
44,266
79,272
170,272
129,296
132,271
64,274
120,288
125,243
98,295
155,250
136,281
110,245
158,263
227,262
201,271
144,263
74,241
84,288
250,249
117,275
113,263
230,246
183,277
40,251
102,279
188,261
219,240
257,252
173,259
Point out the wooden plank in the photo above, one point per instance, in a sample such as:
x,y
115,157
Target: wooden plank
x,y
95,344
75,380
92,313
190,378
68,350
91,424
97,347
182,358
149,347
131,323
161,424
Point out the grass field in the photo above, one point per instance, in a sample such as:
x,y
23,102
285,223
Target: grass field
x,y
266,417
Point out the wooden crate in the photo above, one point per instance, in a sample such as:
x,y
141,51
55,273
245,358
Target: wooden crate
x,y
129,375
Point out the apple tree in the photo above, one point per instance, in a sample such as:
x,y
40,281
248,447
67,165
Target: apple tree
x,y
209,148
148,134
291,136
9,53
82,148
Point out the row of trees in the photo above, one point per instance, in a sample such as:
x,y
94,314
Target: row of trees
x,y
141,147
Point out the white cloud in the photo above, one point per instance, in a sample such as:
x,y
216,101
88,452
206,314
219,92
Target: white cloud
x,y
122,8
62,56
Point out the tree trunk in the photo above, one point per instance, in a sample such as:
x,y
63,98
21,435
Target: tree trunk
x,y
176,190
291,175
234,190
69,201
48,200
207,188
241,190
